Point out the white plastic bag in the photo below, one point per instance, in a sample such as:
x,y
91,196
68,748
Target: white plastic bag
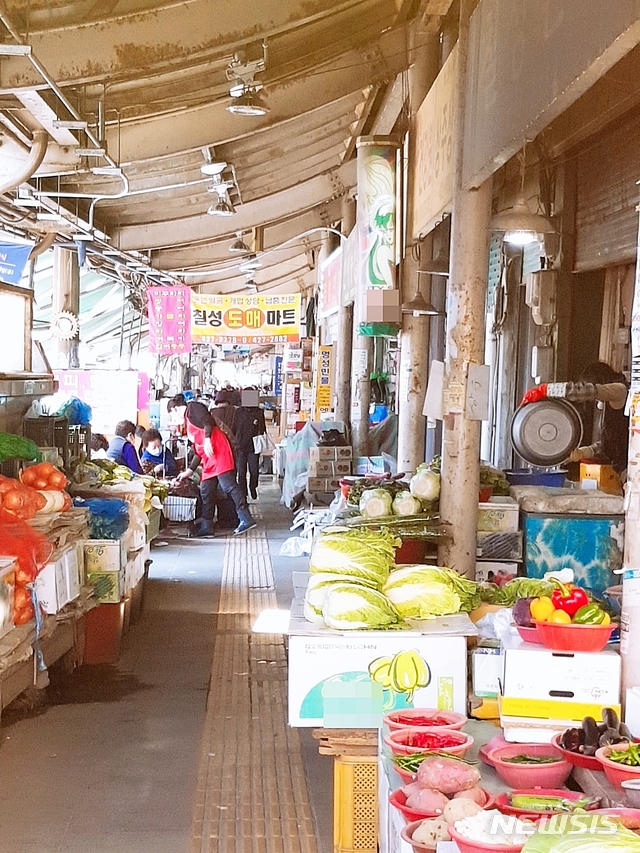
x,y
295,546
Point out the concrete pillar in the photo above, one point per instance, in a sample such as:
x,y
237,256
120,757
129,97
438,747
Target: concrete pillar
x,y
465,343
66,297
344,343
361,366
413,371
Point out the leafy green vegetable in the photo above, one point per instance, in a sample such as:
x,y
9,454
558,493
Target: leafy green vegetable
x,y
405,504
375,503
346,554
318,588
349,606
469,593
494,478
419,592
425,484
508,594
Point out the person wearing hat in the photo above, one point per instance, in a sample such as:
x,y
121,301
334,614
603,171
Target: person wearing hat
x,y
212,449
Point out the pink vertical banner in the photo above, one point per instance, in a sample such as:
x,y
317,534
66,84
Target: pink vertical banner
x,y
169,311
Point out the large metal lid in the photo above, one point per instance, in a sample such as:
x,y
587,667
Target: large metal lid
x,y
545,433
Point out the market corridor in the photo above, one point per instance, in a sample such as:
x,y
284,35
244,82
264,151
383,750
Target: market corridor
x,y
118,757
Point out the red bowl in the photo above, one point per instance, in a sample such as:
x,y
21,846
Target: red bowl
x,y
529,635
407,834
589,762
616,773
397,742
407,778
399,801
466,845
456,721
529,775
502,801
574,638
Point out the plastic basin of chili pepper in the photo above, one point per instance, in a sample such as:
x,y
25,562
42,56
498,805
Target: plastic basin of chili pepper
x,y
410,741
574,638
530,775
615,772
397,720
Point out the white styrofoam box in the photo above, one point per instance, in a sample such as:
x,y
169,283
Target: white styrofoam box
x,y
486,669
104,555
486,570
134,538
7,587
51,585
134,570
72,559
538,682
534,729
499,514
329,682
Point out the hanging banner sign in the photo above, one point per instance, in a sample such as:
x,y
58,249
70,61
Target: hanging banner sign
x,y
324,371
169,316
245,319
13,259
330,285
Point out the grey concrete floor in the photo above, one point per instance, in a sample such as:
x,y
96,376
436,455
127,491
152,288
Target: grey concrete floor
x,y
109,764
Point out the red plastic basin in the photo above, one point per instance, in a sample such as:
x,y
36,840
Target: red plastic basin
x,y
574,638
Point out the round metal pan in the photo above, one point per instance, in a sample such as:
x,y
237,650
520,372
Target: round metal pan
x,y
545,433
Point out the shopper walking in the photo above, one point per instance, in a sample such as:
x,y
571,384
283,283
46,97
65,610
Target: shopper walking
x,y
248,424
213,451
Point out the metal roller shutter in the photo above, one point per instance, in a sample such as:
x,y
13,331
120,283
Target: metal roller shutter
x,y
607,195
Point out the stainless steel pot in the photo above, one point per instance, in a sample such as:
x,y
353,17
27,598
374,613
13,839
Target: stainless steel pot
x,y
545,433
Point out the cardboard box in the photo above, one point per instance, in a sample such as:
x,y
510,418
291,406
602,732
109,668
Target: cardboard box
x,y
332,485
134,570
604,476
540,683
51,585
316,484
499,546
73,573
343,453
329,683
341,468
499,514
7,587
104,555
321,469
135,539
486,570
322,454
108,586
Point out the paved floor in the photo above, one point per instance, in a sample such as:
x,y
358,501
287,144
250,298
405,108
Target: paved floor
x,y
113,763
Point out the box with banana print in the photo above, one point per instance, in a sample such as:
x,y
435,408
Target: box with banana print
x,y
351,680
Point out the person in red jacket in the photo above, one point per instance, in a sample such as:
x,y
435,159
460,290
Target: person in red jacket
x,y
213,451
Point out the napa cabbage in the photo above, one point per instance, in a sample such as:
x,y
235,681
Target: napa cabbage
x,y
349,606
375,503
420,592
406,504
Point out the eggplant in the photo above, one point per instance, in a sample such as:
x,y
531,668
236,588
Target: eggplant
x,y
572,740
625,732
610,719
522,612
591,735
610,737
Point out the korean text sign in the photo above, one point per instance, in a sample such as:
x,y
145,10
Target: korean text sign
x,y
245,319
169,319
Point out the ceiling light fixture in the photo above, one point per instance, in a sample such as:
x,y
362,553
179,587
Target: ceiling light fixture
x,y
252,287
419,307
213,168
250,264
239,245
249,103
520,227
221,208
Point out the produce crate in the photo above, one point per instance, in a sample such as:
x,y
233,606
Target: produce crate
x,y
49,431
153,528
355,804
179,509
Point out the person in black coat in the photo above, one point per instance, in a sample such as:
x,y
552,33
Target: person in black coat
x,y
248,423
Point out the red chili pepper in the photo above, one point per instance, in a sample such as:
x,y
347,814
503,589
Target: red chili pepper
x,y
431,740
569,598
424,722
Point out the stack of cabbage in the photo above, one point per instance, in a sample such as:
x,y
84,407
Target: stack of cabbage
x,y
354,584
423,492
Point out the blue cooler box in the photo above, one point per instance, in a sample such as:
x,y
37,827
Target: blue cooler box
x,y
591,545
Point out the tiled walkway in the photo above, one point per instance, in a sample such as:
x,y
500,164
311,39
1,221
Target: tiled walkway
x,y
252,793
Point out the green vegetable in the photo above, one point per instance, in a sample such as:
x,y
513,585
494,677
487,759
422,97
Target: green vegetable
x,y
15,447
405,504
469,593
349,606
494,478
412,762
583,833
375,503
419,592
523,758
539,803
317,589
515,589
346,554
629,756
589,614
425,484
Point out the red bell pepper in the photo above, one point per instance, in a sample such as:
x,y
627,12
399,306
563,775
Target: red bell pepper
x,y
569,598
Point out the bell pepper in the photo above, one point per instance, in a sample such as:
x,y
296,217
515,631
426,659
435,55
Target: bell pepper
x,y
569,598
590,614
